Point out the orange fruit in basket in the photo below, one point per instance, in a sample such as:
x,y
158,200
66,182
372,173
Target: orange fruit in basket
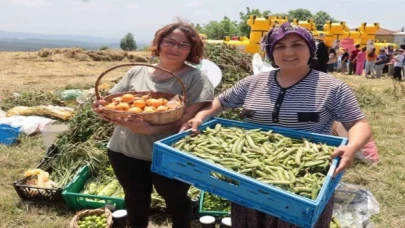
x,y
145,97
122,107
164,101
139,103
135,110
110,106
116,100
149,110
154,102
161,108
149,101
127,97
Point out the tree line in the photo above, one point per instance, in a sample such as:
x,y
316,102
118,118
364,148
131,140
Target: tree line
x,y
217,30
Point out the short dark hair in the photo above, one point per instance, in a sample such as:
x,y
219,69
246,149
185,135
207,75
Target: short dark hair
x,y
357,46
197,46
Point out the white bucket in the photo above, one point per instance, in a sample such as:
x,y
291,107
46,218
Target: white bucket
x,y
50,132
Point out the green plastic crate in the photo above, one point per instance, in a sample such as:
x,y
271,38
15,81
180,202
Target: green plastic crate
x,y
212,213
76,200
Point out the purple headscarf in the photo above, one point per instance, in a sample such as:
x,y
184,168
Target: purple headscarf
x,y
276,34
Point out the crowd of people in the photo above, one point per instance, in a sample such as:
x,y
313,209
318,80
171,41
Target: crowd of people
x,y
363,61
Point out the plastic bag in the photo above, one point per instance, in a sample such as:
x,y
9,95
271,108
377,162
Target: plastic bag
x,y
86,96
354,205
259,66
63,113
71,94
28,124
369,153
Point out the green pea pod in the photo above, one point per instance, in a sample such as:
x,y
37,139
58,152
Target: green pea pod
x,y
252,165
302,189
314,163
284,155
260,173
298,157
276,182
314,191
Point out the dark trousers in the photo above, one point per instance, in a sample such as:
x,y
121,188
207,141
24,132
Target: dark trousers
x,y
331,67
136,178
397,73
385,69
352,67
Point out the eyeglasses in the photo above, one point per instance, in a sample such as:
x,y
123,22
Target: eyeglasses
x,y
171,43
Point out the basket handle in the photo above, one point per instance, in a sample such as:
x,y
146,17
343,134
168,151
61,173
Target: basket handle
x,y
139,64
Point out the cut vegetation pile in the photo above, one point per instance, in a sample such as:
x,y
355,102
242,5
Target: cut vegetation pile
x,y
234,64
59,54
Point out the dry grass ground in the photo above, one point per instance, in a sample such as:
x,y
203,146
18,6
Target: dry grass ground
x,y
383,101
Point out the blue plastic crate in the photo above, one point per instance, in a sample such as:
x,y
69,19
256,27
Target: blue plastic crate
x,y
249,192
8,134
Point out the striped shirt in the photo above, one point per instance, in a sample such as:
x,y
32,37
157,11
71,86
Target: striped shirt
x,y
312,104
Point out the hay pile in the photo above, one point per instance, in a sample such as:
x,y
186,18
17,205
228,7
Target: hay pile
x,y
60,54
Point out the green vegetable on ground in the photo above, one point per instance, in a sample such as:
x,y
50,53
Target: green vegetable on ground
x,y
93,221
105,184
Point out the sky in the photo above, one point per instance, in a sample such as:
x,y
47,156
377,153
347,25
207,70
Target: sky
x,y
115,18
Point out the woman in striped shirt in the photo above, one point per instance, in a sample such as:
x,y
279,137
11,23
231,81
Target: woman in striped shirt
x,y
294,96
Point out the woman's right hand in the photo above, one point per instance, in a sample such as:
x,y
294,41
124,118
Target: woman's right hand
x,y
194,123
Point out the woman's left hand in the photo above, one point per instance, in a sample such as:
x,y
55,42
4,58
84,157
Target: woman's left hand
x,y
136,125
346,154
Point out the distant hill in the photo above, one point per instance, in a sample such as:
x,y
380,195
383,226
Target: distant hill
x,y
18,41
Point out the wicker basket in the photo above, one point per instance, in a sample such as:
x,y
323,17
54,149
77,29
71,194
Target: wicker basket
x,y
108,214
165,117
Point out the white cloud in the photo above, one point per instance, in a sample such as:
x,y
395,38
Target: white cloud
x,y
29,3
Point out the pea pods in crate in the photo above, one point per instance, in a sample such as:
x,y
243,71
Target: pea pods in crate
x,y
298,200
213,205
75,199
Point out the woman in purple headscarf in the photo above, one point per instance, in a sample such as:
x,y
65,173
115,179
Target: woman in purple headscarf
x,y
293,96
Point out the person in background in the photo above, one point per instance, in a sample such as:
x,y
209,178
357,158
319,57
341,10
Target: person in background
x,y
390,50
398,64
391,65
130,148
402,46
322,57
352,63
360,60
389,68
380,63
344,61
337,53
370,63
332,60
297,97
